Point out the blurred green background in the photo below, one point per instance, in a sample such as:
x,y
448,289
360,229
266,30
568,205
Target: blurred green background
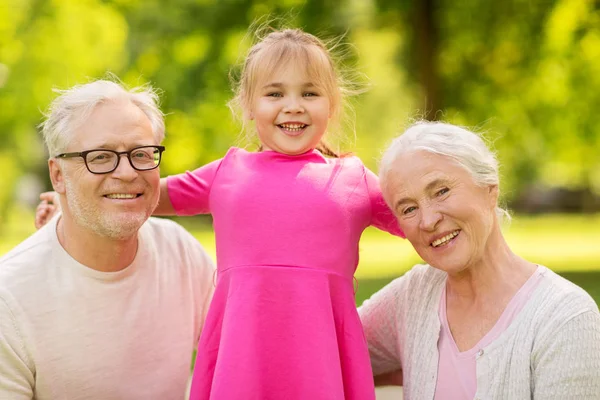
x,y
525,73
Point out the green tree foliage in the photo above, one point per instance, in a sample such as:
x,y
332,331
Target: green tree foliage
x,y
524,71
46,44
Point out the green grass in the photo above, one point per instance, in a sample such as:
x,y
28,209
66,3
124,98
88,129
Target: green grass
x,y
567,244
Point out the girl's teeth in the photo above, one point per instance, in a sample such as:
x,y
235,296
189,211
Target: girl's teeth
x,y
445,239
293,127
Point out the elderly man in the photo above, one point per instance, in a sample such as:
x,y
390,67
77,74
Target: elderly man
x,y
103,302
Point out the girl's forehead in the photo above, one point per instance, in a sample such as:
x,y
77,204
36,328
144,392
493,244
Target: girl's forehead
x,y
283,72
307,62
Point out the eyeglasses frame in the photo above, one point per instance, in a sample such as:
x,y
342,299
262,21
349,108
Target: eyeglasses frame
x,y
83,154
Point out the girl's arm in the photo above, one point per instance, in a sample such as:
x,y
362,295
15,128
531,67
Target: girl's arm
x,y
381,216
48,207
188,193
164,207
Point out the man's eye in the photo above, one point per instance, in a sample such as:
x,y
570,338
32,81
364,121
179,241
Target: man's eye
x,y
100,157
142,155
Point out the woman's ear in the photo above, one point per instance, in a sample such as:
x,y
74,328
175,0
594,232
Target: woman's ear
x,y
494,194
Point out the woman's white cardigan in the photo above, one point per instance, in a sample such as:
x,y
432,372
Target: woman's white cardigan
x,y
551,350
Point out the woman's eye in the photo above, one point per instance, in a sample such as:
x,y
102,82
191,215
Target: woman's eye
x,y
408,210
442,191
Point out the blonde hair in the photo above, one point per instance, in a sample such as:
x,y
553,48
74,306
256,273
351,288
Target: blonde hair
x,y
278,49
73,106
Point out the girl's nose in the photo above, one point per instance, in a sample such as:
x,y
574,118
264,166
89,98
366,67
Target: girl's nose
x,y
293,105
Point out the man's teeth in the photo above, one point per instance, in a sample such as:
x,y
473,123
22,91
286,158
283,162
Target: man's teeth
x,y
121,196
293,127
445,239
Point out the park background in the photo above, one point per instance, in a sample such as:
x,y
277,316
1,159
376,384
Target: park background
x,y
524,73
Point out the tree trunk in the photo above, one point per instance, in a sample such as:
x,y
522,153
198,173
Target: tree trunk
x,y
426,56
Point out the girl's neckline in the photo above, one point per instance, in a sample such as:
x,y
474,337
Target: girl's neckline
x,y
273,153
312,151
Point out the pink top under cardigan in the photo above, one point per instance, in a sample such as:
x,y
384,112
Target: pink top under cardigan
x,y
456,378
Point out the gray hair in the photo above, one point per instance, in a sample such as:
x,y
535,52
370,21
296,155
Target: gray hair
x,y
74,105
465,147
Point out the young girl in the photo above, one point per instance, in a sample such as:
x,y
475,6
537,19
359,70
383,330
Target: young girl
x,y
283,324
287,220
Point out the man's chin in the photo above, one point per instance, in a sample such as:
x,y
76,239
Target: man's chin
x,y
124,227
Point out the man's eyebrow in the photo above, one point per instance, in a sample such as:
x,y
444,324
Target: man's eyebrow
x,y
113,146
106,146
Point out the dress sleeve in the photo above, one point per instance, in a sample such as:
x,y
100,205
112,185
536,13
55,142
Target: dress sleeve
x,y
381,216
16,371
566,364
189,192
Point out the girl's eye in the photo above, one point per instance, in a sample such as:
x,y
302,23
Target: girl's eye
x,y
311,94
408,210
442,191
274,94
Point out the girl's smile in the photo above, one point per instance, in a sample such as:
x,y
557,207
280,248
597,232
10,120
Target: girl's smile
x,y
291,112
293,128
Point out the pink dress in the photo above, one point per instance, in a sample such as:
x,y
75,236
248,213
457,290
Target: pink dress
x,y
283,323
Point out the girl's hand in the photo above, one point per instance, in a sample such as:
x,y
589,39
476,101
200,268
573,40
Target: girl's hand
x,y
47,208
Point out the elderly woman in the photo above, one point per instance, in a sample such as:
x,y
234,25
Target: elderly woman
x,y
477,321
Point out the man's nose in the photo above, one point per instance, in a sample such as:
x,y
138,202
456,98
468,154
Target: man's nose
x,y
124,170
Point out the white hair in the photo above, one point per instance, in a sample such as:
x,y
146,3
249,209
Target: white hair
x,y
74,105
465,147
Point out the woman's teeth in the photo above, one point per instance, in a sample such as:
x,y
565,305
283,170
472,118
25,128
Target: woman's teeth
x,y
445,239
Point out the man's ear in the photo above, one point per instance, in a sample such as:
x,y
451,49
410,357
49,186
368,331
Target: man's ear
x,y
56,175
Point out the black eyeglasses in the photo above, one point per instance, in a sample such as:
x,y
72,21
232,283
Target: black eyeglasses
x,y
103,161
